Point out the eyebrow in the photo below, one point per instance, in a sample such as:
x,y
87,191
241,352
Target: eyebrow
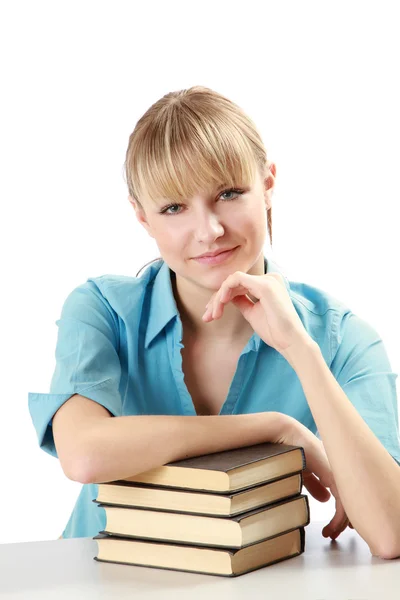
x,y
160,201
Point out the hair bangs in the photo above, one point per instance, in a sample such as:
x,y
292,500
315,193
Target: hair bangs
x,y
186,152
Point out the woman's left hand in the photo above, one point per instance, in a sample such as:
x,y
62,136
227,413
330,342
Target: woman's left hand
x,y
272,315
317,476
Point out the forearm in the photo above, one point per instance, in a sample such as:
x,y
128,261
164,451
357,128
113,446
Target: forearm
x,y
367,477
120,447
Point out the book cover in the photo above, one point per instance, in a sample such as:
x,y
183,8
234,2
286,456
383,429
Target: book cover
x,y
206,522
229,470
226,460
263,554
184,500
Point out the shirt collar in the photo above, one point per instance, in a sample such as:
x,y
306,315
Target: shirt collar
x,y
163,307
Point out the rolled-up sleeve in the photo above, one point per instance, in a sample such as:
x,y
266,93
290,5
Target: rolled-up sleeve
x,y
362,368
87,361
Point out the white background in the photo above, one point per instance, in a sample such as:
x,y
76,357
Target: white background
x,y
320,80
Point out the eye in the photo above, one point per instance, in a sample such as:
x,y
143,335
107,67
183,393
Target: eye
x,y
235,191
231,191
167,208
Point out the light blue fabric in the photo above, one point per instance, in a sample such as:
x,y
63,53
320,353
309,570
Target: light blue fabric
x,y
119,341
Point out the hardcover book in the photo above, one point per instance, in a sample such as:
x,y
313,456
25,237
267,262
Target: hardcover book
x,y
127,493
229,470
211,561
232,532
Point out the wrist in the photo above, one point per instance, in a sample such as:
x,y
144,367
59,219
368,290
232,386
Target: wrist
x,y
281,426
299,350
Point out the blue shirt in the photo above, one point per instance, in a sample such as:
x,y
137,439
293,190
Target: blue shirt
x,y
119,341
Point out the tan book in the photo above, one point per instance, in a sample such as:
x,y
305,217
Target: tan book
x,y
210,561
233,532
127,493
227,471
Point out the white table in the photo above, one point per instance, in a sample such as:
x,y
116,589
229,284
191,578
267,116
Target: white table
x,y
65,569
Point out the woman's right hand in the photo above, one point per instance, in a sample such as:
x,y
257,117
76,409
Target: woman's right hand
x,y
318,477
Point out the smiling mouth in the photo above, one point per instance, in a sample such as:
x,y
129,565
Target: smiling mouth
x,y
213,255
218,258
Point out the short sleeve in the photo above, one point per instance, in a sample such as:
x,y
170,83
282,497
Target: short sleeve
x,y
87,361
362,368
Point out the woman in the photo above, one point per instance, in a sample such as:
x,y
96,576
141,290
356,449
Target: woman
x,y
227,339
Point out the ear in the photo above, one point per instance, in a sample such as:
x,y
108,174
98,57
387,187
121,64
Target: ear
x,y
141,215
271,167
269,183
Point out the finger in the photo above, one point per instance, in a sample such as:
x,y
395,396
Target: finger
x,y
208,309
318,463
217,310
335,531
242,283
230,289
217,307
338,523
316,488
338,518
339,530
245,305
207,314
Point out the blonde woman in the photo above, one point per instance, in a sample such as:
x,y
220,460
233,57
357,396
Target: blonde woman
x,y
212,347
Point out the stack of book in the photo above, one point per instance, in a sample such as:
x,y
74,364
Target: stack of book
x,y
225,513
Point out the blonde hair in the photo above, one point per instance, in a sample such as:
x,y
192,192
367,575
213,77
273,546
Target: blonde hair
x,y
189,140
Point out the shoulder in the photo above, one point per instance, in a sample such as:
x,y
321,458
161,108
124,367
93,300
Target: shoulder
x,y
330,321
119,294
316,300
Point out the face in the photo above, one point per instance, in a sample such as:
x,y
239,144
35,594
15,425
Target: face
x,y
212,220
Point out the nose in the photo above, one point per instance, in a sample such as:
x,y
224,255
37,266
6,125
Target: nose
x,y
207,227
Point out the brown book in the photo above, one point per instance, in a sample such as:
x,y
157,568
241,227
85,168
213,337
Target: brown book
x,y
210,561
229,470
200,530
128,493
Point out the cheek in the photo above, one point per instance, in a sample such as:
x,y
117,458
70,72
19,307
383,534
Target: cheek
x,y
174,231
167,237
255,224
255,230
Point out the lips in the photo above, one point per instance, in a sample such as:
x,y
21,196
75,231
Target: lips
x,y
217,259
211,254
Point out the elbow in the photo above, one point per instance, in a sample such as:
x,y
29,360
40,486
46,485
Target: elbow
x,y
387,548
81,477
76,460
387,553
81,470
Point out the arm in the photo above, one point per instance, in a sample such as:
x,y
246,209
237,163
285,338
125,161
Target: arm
x,y
367,477
94,447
